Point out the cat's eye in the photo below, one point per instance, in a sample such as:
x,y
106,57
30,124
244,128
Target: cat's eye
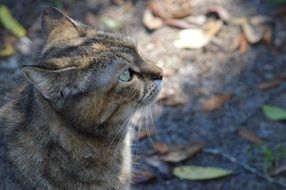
x,y
126,75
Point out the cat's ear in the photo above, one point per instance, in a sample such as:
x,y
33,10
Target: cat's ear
x,y
57,84
58,26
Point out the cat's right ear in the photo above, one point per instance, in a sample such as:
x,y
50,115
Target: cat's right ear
x,y
58,26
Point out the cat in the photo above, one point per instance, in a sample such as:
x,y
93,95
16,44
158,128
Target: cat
x,y
67,125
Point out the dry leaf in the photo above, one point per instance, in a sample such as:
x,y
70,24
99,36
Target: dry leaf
x,y
243,44
182,153
270,84
161,148
216,102
268,35
145,133
143,176
150,21
166,9
179,23
7,50
253,33
279,170
249,135
220,12
159,165
197,38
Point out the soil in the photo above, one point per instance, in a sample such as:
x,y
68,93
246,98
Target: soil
x,y
198,75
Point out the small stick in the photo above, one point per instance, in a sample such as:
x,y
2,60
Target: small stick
x,y
244,166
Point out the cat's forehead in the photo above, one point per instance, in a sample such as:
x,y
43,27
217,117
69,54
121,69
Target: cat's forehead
x,y
84,51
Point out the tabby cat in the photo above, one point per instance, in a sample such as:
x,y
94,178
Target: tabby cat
x,y
66,127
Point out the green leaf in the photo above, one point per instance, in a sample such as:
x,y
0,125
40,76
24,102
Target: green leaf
x,y
200,173
7,50
274,113
10,23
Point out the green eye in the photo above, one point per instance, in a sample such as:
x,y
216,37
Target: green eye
x,y
125,76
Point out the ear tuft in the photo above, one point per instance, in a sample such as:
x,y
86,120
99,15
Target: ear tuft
x,y
56,25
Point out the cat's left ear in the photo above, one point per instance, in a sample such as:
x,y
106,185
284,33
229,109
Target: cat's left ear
x,y
58,26
56,84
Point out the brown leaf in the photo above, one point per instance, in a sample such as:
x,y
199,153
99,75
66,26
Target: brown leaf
x,y
158,10
279,170
143,176
182,153
268,35
270,84
249,135
166,9
243,44
159,165
179,23
216,102
252,32
161,148
150,21
219,11
145,133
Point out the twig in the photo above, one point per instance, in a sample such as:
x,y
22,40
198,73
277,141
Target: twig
x,y
244,166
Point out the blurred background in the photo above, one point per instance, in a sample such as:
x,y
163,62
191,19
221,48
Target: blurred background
x,y
219,121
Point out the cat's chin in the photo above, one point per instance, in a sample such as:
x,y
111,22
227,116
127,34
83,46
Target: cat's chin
x,y
152,93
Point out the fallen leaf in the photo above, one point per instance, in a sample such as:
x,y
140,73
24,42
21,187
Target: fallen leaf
x,y
161,148
253,33
166,9
216,102
10,23
143,176
145,133
160,166
249,135
7,50
220,12
279,170
274,113
243,44
200,173
197,38
179,23
150,21
172,95
268,35
270,84
111,23
158,10
182,153
261,19
198,20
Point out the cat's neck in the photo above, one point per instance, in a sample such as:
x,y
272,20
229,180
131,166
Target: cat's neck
x,y
64,132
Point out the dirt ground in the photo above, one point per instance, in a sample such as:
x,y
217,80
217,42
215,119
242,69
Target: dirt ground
x,y
196,75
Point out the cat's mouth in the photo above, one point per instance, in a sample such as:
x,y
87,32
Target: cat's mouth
x,y
152,92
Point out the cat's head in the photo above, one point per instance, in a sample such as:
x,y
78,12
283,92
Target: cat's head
x,y
90,76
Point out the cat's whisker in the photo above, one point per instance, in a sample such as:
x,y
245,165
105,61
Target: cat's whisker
x,y
147,128
152,119
120,129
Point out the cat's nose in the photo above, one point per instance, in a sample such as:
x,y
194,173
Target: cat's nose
x,y
155,73
156,76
